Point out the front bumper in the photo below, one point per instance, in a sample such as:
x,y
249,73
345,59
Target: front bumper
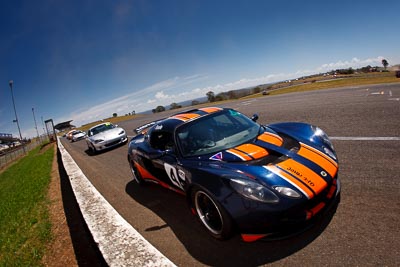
x,y
279,223
110,143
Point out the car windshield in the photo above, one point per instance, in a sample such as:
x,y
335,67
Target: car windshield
x,y
216,132
101,128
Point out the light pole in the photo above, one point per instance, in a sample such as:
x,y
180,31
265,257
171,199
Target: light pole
x,y
16,117
37,131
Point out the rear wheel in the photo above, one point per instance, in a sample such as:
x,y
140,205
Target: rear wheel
x,y
211,214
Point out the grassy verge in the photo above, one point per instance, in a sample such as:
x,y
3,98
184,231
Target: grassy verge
x,y
341,82
25,227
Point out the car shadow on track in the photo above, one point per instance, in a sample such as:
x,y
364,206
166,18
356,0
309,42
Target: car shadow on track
x,y
91,152
173,209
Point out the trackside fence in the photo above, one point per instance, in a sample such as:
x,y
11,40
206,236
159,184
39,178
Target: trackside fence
x,y
10,155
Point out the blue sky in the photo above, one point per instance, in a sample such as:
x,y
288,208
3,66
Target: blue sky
x,y
85,60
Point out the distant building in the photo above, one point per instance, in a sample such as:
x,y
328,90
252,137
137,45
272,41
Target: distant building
x,y
7,138
64,126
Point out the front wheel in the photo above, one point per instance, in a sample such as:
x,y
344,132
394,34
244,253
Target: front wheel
x,y
211,214
136,175
92,149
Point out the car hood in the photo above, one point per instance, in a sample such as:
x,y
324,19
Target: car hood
x,y
109,134
280,159
79,135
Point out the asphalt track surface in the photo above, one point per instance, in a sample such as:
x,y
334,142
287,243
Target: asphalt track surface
x,y
364,123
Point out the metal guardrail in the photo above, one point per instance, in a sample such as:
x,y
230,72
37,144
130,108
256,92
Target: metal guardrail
x,y
10,155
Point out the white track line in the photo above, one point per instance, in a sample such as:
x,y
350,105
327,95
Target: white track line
x,y
119,243
359,138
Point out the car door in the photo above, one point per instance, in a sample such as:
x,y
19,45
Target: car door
x,y
159,158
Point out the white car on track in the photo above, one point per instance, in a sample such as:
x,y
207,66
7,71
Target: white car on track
x,y
77,135
105,135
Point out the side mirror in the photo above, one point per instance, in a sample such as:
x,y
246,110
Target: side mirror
x,y
254,117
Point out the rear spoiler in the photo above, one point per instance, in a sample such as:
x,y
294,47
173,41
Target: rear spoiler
x,y
144,128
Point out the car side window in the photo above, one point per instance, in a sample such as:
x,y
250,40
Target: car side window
x,y
161,140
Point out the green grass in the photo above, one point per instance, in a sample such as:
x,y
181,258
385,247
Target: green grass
x,y
25,226
320,84
350,81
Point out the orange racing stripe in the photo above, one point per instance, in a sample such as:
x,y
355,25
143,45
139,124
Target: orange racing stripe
x,y
292,180
239,154
271,138
210,109
302,173
319,158
248,152
186,116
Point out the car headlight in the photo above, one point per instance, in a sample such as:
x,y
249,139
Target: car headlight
x,y
286,191
98,141
328,148
254,191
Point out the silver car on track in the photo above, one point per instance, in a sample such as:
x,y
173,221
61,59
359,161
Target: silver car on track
x,y
105,135
77,135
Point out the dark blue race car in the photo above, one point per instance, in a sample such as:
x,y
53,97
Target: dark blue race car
x,y
238,175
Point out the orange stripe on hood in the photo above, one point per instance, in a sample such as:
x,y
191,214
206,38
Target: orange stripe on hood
x,y
292,180
249,151
271,138
239,154
316,156
304,174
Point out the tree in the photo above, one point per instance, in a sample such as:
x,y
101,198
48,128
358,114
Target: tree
x,y
115,115
232,95
221,97
158,109
385,63
211,96
256,90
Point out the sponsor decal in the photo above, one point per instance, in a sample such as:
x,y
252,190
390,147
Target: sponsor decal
x,y
304,174
300,176
177,179
292,180
158,127
217,156
307,180
182,175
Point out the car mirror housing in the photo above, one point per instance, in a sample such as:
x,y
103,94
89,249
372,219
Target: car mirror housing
x,y
254,117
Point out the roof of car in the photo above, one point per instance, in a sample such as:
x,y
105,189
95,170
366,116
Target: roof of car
x,y
170,123
103,123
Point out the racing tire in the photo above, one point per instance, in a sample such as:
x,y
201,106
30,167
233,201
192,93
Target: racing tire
x,y
211,214
136,175
92,149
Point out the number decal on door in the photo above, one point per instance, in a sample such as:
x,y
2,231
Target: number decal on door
x,y
177,180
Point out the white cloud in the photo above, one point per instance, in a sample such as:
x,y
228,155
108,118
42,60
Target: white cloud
x,y
353,63
161,95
